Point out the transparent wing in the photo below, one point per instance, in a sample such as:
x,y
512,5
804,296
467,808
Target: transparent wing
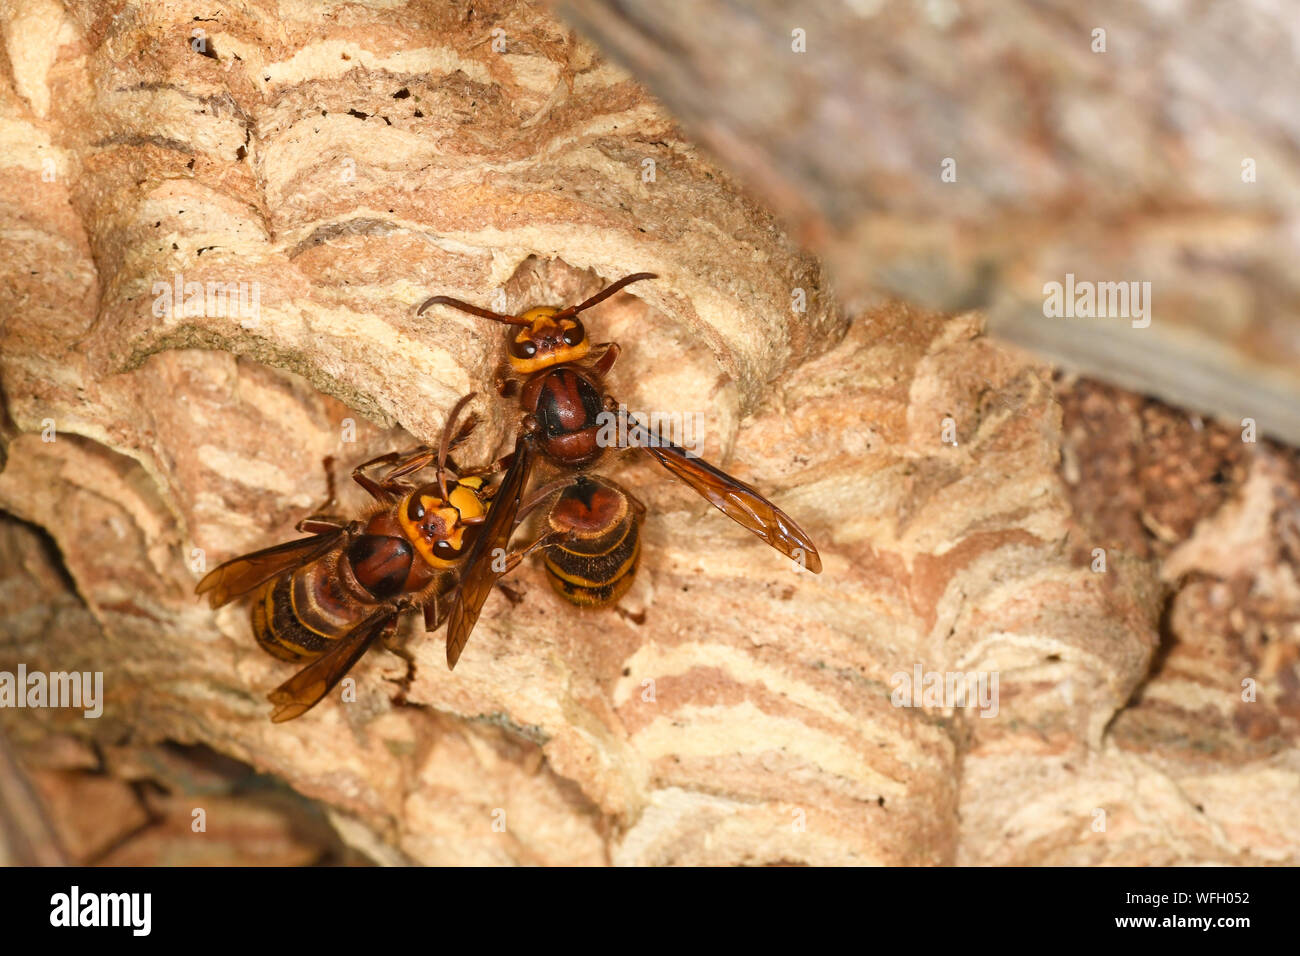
x,y
240,575
737,500
479,575
304,690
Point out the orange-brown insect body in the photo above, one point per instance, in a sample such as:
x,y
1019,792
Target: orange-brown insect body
x,y
326,598
597,530
561,381
563,394
559,374
547,339
302,613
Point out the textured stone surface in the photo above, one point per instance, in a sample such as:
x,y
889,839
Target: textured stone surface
x,y
730,710
964,155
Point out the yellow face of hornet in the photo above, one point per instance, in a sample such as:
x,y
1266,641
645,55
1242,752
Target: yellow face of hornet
x,y
544,342
436,527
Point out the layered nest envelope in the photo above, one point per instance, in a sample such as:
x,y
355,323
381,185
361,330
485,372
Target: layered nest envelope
x,y
1126,569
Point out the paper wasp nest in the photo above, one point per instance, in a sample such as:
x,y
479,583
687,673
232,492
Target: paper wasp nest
x,y
731,710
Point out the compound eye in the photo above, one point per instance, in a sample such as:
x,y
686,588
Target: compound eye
x,y
415,508
525,349
575,335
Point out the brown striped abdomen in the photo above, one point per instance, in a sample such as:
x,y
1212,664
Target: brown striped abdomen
x,y
299,615
596,566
